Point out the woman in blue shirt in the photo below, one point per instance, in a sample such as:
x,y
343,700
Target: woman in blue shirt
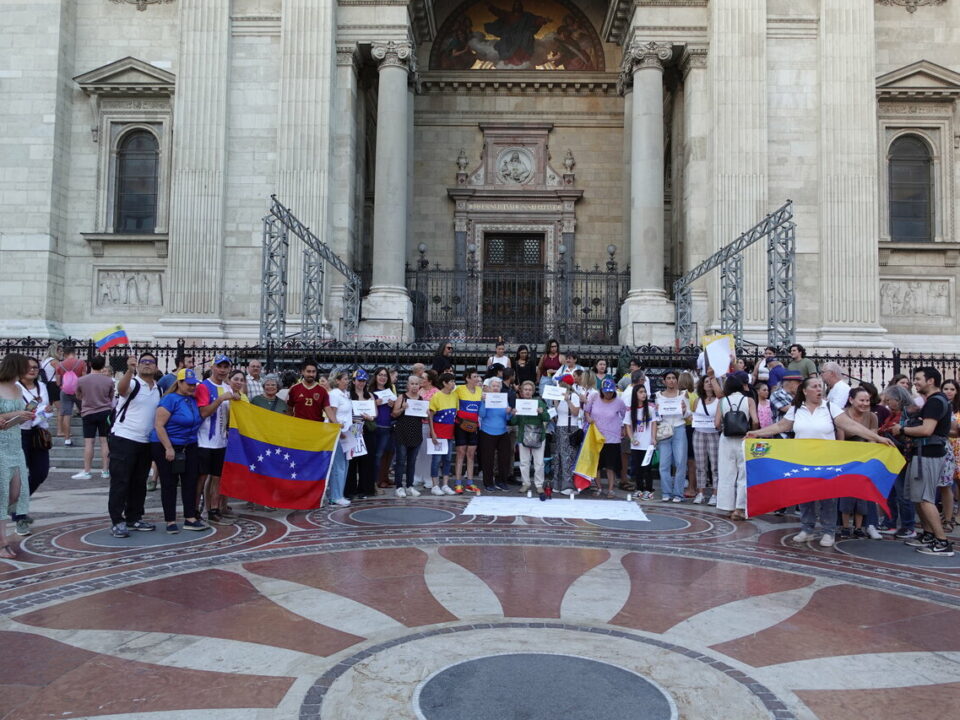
x,y
174,444
494,440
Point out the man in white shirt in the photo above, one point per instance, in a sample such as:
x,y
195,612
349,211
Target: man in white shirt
x,y
832,375
130,445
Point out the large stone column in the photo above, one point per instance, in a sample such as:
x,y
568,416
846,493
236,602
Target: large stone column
x,y
848,177
195,274
697,186
738,78
647,314
387,311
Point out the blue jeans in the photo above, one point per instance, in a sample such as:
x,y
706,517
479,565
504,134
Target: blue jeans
x,y
442,465
900,506
405,460
673,452
826,509
338,475
384,437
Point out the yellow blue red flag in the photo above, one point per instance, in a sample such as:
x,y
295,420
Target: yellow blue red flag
x,y
588,459
111,337
277,460
781,473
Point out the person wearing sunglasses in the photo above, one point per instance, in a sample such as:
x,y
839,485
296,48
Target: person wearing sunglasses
x,y
443,361
130,452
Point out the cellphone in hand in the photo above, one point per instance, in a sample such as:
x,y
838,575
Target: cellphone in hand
x,y
32,405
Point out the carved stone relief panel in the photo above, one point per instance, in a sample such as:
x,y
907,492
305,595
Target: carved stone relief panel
x,y
916,301
137,290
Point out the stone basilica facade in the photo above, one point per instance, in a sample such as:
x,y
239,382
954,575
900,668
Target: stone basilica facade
x,y
142,140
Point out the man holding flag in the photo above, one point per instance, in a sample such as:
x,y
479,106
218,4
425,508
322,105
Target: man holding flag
x,y
929,439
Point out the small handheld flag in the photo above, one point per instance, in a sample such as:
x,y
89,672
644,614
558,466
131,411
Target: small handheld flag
x,y
111,337
588,459
277,460
781,473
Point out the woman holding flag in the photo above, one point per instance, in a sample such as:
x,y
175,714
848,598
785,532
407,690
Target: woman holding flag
x,y
813,418
606,410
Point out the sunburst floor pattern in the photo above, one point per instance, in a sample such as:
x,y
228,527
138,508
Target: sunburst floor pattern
x,y
411,609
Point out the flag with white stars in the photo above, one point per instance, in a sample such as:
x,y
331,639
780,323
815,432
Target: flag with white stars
x,y
277,460
782,473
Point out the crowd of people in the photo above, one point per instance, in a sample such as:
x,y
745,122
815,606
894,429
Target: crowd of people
x,y
426,432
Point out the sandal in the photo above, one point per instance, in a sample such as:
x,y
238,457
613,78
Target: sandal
x,y
737,515
7,553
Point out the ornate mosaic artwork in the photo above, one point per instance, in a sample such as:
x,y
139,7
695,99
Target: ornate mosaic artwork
x,y
531,35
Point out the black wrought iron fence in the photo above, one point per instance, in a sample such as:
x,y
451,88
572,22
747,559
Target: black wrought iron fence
x,y
878,368
521,305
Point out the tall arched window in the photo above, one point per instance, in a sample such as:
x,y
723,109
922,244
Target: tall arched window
x,y
137,164
911,190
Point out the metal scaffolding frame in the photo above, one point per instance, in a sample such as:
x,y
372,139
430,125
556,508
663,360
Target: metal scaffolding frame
x,y
278,225
780,230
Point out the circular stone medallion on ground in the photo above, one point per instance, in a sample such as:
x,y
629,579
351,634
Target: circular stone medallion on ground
x,y
525,685
894,551
655,523
402,516
156,538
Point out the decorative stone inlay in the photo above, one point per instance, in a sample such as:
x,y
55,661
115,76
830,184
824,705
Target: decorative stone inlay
x,y
312,707
129,289
141,4
511,685
911,5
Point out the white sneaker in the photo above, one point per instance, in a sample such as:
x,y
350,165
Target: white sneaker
x,y
827,540
802,536
436,490
413,492
400,492
568,491
873,533
447,490
698,500
677,499
665,498
105,474
343,502
713,500
82,475
428,485
68,443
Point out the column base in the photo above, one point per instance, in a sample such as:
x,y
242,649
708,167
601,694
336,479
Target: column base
x,y
647,318
386,314
39,329
850,338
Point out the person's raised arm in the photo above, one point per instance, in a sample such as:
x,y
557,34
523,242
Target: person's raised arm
x,y
123,385
784,426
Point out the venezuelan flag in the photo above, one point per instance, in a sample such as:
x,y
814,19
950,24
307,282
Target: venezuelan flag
x,y
111,337
277,460
588,459
781,473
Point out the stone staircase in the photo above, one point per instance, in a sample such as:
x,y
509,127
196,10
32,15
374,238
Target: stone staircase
x,y
71,458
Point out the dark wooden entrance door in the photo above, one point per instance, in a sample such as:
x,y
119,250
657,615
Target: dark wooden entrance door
x,y
513,291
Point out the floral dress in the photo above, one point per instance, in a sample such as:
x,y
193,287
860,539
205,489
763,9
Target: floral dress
x,y
12,462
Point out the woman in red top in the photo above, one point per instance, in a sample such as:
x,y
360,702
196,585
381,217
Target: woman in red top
x,y
551,360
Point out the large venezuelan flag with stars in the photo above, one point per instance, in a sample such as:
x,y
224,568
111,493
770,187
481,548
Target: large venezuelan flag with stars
x,y
277,460
781,473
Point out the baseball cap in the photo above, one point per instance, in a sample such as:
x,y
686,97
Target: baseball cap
x,y
608,385
360,374
187,374
791,375
219,359
741,377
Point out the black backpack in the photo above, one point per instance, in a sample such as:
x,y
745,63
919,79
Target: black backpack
x,y
735,422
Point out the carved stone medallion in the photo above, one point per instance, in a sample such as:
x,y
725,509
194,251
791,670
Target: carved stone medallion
x,y
515,166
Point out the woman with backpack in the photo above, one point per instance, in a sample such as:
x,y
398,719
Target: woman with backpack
x,y
68,376
736,415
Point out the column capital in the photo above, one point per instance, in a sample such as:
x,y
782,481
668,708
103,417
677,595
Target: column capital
x,y
692,58
347,56
640,55
393,54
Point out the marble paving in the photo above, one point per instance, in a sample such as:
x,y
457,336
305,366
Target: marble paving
x,y
415,610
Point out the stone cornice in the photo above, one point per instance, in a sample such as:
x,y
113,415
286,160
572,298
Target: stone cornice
x,y
127,76
347,54
141,4
519,82
910,5
692,58
620,12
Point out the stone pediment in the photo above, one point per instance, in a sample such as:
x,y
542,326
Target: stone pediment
x,y
922,79
128,76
